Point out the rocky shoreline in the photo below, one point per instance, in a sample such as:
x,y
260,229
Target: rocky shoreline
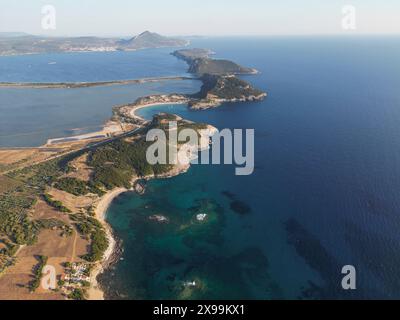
x,y
210,96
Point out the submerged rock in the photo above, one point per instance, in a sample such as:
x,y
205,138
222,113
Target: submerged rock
x,y
139,187
201,216
159,218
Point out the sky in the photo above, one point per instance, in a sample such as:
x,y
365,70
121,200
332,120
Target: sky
x,y
201,17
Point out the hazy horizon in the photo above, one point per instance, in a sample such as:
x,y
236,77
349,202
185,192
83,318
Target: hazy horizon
x,y
188,36
123,18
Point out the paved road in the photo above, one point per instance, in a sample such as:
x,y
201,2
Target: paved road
x,y
84,149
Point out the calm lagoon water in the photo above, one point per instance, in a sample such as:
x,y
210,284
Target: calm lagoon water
x,y
324,193
53,113
56,113
91,66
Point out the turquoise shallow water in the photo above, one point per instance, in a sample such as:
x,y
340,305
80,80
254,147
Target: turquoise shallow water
x,y
159,258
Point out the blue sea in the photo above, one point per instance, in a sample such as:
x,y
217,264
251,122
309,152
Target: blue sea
x,y
324,193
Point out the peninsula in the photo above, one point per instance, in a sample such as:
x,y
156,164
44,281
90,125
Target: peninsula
x,y
220,85
53,198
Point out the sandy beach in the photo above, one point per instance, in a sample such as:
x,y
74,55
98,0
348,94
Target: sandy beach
x,y
95,292
136,108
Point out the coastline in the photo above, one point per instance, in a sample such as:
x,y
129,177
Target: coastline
x,y
101,204
95,292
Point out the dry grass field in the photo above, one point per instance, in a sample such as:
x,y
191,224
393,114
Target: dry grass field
x,y
58,248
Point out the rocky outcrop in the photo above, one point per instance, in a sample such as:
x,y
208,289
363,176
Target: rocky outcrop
x,y
220,89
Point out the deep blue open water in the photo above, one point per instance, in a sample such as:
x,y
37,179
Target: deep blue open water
x,y
325,192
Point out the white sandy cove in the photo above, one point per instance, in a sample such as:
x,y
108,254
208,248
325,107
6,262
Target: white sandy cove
x,y
141,106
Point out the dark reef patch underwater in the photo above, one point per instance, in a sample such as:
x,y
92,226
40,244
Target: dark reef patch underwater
x,y
236,205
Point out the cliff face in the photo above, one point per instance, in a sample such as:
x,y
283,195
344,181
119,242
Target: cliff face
x,y
219,89
226,87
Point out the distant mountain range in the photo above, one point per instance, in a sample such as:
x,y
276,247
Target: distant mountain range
x,y
13,34
15,43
